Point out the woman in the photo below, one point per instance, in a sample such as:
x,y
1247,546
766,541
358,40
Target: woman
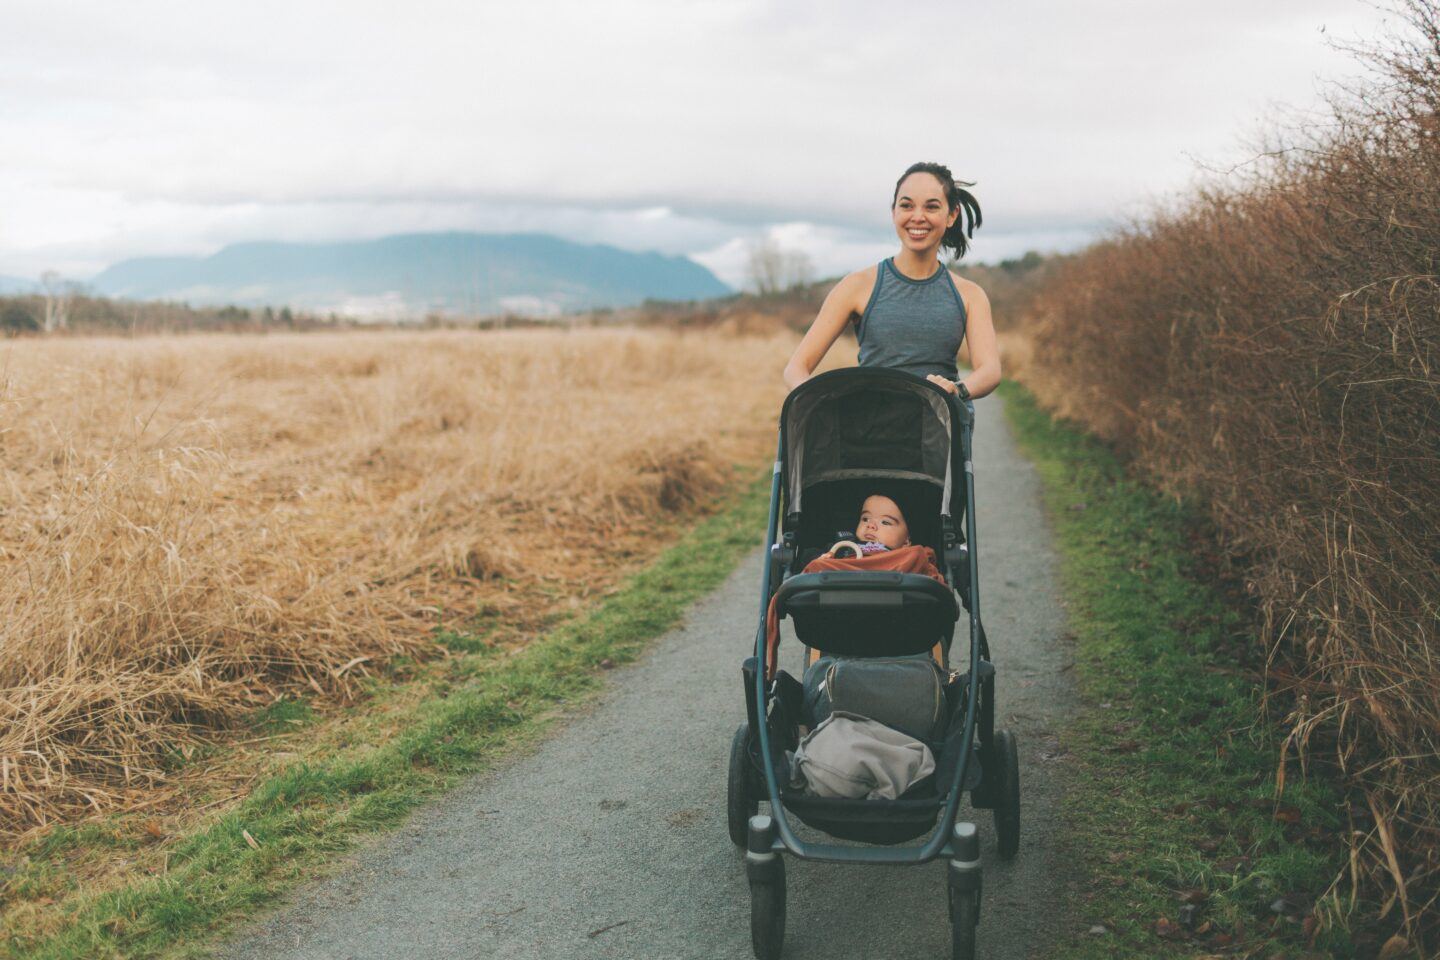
x,y
911,312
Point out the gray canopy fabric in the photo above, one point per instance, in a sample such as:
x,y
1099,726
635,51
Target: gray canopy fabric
x,y
866,424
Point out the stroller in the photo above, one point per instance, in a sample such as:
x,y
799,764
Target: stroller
x,y
843,435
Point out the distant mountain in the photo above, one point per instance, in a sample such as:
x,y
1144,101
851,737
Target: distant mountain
x,y
413,274
10,286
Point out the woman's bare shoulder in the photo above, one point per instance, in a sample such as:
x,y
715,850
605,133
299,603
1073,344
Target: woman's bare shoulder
x,y
862,278
970,291
853,290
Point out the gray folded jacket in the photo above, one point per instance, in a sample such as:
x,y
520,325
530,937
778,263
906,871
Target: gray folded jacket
x,y
853,756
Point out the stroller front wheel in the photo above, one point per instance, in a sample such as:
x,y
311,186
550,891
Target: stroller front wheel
x,y
767,910
964,917
740,801
1007,796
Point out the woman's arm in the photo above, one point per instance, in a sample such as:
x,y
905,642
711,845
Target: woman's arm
x,y
835,312
984,374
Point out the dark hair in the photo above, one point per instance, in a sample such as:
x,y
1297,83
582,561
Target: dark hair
x,y
957,236
860,507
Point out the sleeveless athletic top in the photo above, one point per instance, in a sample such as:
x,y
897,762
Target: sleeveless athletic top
x,y
912,325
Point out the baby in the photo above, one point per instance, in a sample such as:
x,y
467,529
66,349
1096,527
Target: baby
x,y
881,527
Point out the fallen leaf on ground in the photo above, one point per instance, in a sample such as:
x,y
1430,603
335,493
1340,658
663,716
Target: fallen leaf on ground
x,y
1168,929
254,844
1287,814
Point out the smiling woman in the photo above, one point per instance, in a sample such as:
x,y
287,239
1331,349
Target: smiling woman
x,y
911,312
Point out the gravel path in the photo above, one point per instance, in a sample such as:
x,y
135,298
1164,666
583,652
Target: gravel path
x,y
609,840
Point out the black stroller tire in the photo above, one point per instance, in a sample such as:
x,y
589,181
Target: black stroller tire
x,y
767,912
740,801
1007,796
964,917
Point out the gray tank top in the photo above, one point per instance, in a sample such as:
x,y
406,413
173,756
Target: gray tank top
x,y
912,325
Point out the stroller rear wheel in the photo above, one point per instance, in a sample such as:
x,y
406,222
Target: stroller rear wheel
x,y
741,802
1007,796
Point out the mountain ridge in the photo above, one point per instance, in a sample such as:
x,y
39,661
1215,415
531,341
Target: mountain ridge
x,y
451,272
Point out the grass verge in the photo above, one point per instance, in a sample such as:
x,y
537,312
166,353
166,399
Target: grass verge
x,y
1173,811
476,706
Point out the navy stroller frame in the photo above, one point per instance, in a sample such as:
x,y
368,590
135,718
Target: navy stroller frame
x,y
766,837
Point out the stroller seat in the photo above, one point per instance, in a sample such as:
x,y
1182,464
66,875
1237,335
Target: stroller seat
x,y
867,613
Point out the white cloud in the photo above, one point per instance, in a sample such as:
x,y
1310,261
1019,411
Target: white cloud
x,y
151,127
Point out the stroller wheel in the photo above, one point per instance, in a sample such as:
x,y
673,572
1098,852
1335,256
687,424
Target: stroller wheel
x,y
964,916
1007,796
767,911
740,801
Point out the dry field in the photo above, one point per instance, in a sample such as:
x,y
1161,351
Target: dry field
x,y
191,527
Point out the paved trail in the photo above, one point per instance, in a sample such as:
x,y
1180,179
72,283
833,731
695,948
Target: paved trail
x,y
609,840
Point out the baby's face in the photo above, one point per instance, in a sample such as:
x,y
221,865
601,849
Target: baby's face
x,y
882,522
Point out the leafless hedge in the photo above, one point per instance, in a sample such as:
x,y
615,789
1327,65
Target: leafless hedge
x,y
1271,347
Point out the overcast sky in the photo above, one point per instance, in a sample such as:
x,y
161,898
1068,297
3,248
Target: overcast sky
x,y
683,126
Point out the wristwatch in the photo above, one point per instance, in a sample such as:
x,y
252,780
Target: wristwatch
x,y
964,390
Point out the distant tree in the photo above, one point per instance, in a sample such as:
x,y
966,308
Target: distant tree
x,y
16,316
286,317
1028,262
772,269
58,293
799,270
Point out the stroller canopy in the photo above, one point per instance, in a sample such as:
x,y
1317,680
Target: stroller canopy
x,y
868,423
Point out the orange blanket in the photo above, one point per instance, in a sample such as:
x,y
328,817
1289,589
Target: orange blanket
x,y
915,559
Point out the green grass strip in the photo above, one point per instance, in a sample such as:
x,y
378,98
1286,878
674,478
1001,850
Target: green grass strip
x,y
1172,804
303,816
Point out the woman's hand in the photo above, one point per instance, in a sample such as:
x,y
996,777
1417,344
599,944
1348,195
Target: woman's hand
x,y
943,383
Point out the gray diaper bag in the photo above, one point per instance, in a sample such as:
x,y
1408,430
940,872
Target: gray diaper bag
x,y
904,693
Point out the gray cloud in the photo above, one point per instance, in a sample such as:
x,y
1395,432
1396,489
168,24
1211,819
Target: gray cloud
x,y
152,127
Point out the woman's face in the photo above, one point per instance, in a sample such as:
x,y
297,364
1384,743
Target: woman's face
x,y
920,213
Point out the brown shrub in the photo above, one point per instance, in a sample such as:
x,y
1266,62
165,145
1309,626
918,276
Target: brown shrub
x,y
190,527
1272,347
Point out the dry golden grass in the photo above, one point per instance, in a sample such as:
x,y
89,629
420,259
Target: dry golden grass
x,y
190,527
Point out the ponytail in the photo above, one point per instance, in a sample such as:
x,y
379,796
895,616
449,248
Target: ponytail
x,y
957,237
